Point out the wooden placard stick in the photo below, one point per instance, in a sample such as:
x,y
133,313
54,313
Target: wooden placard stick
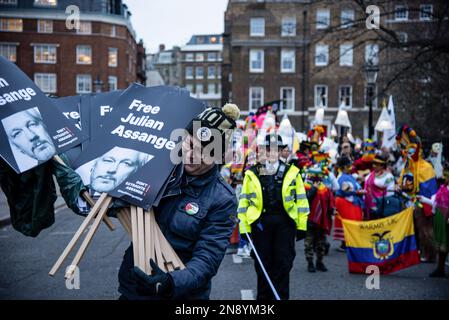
x,y
87,196
157,246
135,235
149,243
88,239
141,238
78,234
168,251
121,216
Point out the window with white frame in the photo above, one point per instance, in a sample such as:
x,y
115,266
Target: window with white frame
x,y
288,26
321,55
49,3
83,83
45,53
189,56
83,54
8,1
211,74
212,56
45,26
46,82
8,51
199,72
219,72
400,13
257,27
113,31
288,60
85,27
13,25
112,83
199,88
112,57
189,73
425,12
323,18
256,60
199,57
345,95
347,18
211,88
288,98
255,97
372,54
189,87
321,95
346,54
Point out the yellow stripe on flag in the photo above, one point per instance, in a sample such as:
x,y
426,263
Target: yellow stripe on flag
x,y
361,234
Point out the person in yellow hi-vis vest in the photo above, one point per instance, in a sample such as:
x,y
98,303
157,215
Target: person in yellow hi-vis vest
x,y
273,209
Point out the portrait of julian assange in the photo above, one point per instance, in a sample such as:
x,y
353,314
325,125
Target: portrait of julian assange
x,y
29,139
108,171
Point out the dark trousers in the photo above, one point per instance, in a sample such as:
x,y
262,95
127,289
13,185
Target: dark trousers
x,y
274,239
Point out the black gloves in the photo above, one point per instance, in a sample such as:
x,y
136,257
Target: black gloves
x,y
159,283
300,235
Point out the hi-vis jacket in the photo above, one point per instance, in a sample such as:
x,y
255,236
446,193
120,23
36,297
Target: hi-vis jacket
x,y
293,196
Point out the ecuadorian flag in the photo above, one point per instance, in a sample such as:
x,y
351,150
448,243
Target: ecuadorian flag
x,y
388,243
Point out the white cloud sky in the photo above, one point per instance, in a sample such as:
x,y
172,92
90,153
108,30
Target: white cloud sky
x,y
173,22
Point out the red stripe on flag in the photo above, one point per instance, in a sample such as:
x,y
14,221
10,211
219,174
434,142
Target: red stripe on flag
x,y
403,261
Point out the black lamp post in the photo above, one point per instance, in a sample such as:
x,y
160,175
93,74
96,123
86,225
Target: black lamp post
x,y
371,72
98,85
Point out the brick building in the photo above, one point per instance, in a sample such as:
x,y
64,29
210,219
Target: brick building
x,y
101,55
201,60
309,53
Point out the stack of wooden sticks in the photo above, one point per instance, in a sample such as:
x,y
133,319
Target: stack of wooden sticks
x,y
148,240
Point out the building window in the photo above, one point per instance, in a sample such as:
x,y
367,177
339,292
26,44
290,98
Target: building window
x,y
346,55
257,27
83,55
112,83
45,53
112,57
83,83
400,13
288,27
113,31
321,55
189,87
288,97
425,12
189,56
370,91
199,88
212,56
345,96
8,1
323,18
199,72
49,3
85,27
46,82
372,54
347,18
13,25
255,97
9,51
189,72
211,88
287,60
199,57
402,37
256,60
219,72
211,74
320,96
45,26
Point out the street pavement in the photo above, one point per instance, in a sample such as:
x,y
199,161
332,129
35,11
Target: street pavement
x,y
25,263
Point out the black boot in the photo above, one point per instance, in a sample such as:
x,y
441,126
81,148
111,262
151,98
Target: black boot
x,y
311,267
437,274
320,266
